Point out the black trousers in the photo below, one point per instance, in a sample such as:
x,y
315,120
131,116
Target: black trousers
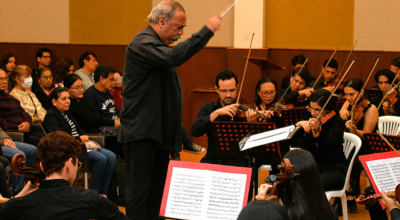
x,y
146,169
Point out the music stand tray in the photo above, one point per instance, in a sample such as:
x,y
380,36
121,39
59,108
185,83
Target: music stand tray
x,y
377,145
228,135
291,116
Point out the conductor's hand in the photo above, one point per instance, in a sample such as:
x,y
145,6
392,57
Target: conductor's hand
x,y
305,125
214,23
388,202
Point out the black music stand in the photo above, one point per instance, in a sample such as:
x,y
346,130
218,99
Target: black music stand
x,y
378,145
291,116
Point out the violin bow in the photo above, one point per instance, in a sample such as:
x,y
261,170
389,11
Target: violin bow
x,y
361,91
287,89
319,116
390,88
323,70
387,142
347,59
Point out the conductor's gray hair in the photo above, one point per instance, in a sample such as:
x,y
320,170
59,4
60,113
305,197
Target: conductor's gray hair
x,y
164,9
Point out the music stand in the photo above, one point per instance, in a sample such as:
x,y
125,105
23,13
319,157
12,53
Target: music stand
x,y
370,93
291,116
378,145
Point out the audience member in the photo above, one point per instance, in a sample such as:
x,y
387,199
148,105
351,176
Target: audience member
x,y
45,79
116,90
43,57
58,118
64,67
8,62
55,198
87,64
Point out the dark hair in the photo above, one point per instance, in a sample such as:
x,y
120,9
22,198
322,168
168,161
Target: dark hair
x,y
55,149
5,59
299,59
104,71
305,197
384,72
62,69
264,210
304,74
355,83
258,87
40,52
320,96
85,56
16,73
70,79
41,70
396,62
333,64
225,75
55,94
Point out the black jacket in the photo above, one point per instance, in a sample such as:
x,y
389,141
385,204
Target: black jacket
x,y
87,117
55,121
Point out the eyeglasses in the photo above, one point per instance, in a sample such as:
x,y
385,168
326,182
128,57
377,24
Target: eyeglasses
x,y
268,93
47,77
4,79
223,91
79,87
46,57
79,165
311,109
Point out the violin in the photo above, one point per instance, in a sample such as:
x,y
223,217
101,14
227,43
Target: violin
x,y
363,200
282,179
241,111
17,166
359,111
391,100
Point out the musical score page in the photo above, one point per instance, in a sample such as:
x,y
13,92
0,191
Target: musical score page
x,y
205,194
385,172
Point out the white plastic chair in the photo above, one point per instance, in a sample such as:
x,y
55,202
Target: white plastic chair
x,y
389,125
350,141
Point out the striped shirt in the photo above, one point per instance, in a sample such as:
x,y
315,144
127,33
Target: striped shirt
x,y
74,133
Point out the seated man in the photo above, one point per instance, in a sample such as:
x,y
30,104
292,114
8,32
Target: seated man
x,y
43,58
297,61
223,109
297,89
328,76
87,64
55,198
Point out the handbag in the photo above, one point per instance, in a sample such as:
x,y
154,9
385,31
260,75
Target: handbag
x,y
92,145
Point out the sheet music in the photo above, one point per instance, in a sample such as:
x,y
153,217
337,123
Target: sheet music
x,y
205,194
385,172
268,137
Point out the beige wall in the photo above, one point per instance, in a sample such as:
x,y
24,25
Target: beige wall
x,y
35,21
376,25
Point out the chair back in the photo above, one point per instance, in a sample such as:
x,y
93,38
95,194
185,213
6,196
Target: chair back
x,y
350,141
389,125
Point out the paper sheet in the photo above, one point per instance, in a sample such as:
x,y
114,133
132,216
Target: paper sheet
x,y
385,172
268,137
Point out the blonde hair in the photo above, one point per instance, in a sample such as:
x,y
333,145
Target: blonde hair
x,y
17,72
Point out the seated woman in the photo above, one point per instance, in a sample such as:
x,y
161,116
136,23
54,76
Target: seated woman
x,y
263,210
384,78
58,118
8,62
325,142
19,81
45,80
64,67
304,197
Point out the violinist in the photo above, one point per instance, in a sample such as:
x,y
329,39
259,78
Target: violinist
x,y
367,124
325,142
395,66
384,78
55,198
304,196
224,109
297,61
297,88
329,75
266,98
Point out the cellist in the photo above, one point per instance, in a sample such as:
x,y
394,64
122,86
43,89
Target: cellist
x,y
384,78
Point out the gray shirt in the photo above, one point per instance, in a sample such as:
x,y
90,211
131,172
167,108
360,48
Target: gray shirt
x,y
86,79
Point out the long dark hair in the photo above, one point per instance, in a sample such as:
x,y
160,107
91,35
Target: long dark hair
x,y
61,70
305,197
258,87
320,96
355,83
264,210
4,61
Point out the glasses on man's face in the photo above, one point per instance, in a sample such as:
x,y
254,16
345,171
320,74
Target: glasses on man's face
x,y
79,165
266,93
4,79
78,87
47,77
311,109
224,91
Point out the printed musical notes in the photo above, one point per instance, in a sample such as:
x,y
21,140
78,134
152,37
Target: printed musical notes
x,y
385,172
205,194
